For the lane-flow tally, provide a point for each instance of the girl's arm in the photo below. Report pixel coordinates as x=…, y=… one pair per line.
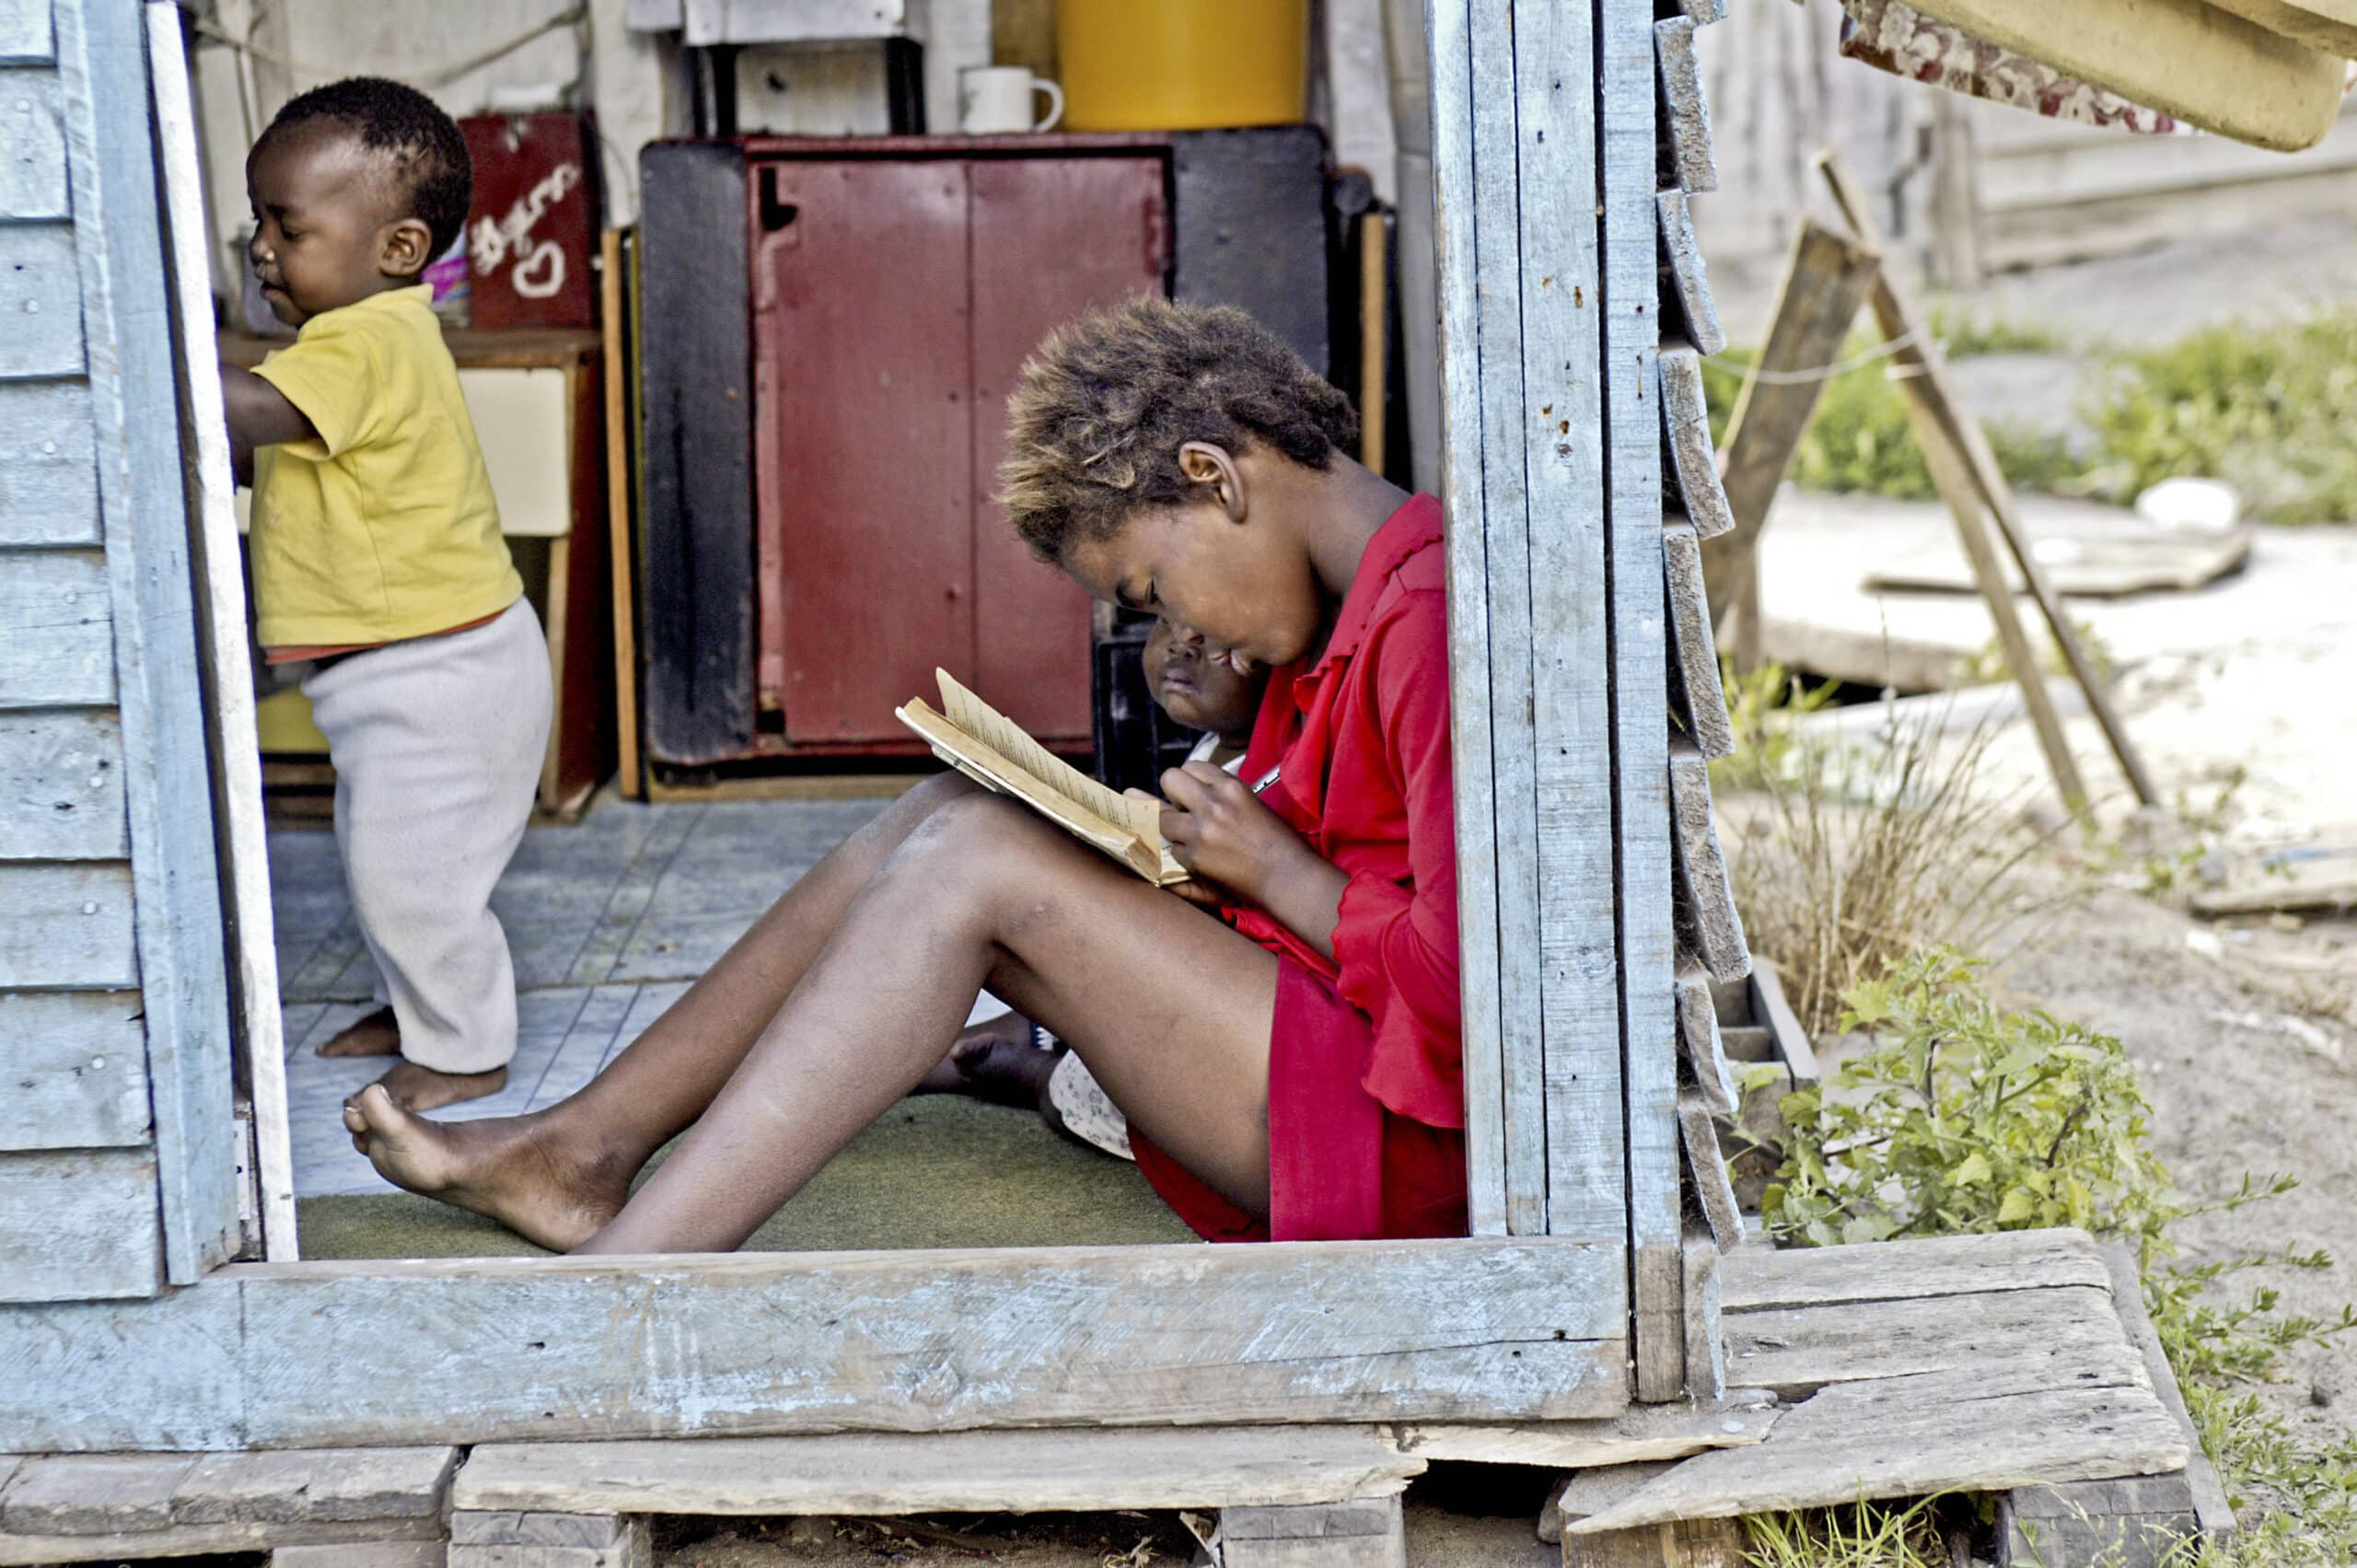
x=260, y=415
x=1222, y=832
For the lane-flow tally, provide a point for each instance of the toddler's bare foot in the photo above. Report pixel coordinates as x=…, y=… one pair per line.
x=417, y=1089
x=501, y=1167
x=996, y=1062
x=376, y=1035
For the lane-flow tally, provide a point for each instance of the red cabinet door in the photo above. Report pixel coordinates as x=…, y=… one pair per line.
x=864, y=443
x=1052, y=238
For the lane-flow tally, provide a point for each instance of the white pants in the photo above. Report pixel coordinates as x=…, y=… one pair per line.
x=437, y=744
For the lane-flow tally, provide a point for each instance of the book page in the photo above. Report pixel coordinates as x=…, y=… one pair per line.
x=1008, y=738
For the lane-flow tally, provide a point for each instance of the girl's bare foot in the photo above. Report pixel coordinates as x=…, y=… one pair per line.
x=501, y=1167
x=377, y=1034
x=425, y=1088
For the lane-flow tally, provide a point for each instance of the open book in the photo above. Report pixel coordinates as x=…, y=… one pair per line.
x=992, y=749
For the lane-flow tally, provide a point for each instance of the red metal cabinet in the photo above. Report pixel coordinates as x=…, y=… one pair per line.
x=894, y=300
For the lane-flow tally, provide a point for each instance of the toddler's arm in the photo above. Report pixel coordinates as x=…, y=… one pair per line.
x=260, y=415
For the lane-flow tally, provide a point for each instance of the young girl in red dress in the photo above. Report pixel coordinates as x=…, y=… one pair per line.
x=1284, y=1039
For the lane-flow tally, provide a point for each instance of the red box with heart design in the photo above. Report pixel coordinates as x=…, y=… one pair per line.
x=532, y=231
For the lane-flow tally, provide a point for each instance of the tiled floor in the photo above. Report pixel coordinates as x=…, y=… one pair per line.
x=609, y=919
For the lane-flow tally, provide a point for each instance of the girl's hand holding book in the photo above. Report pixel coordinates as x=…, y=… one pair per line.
x=1224, y=834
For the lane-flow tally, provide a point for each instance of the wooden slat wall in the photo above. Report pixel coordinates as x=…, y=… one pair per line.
x=117, y=1165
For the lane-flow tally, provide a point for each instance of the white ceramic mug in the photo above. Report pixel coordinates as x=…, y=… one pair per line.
x=992, y=100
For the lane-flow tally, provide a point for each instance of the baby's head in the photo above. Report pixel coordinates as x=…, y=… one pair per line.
x=1198, y=690
x=356, y=188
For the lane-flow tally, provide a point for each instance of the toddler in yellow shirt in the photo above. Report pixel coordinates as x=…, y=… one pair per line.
x=377, y=555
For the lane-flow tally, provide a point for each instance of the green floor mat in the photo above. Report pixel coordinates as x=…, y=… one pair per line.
x=938, y=1170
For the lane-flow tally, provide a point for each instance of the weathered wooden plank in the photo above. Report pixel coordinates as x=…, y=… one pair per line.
x=1693, y=467
x=1686, y=112
x=1713, y=1194
x=88, y=1494
x=40, y=301
x=48, y=487
x=297, y=1485
x=32, y=171
x=549, y=1540
x=24, y=32
x=895, y=1473
x=2136, y=1522
x=1697, y=1037
x=1562, y=445
x=498, y=1350
x=1706, y=898
x=56, y=638
x=1681, y=261
x=1469, y=627
x=362, y=1545
x=1703, y=12
x=1981, y=1429
x=1697, y=699
x=1762, y=1279
x=76, y=1226
x=66, y=927
x=1640, y=1433
x=221, y=632
x=2208, y=1496
x=1356, y=1533
x=1640, y=695
x=1796, y=1351
x=1706, y=1361
x=135, y=401
x=360, y=1553
x=60, y=786
x=1792, y=1047
x=73, y=1074
x=1514, y=746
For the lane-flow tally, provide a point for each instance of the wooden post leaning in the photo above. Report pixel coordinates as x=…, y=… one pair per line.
x=1940, y=422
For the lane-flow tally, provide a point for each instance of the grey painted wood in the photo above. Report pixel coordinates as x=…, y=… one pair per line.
x=134, y=401
x=60, y=786
x=56, y=636
x=89, y=1494
x=1507, y=519
x=897, y=1473
x=1706, y=1360
x=1706, y=896
x=1699, y=700
x=76, y=1225
x=1698, y=1037
x=1640, y=677
x=1681, y=256
x=1760, y=1279
x=540, y=1349
x=24, y=32
x=1976, y=1430
x=66, y=927
x=39, y=299
x=32, y=170
x=219, y=603
x=1561, y=405
x=1707, y=1171
x=48, y=490
x=1369, y=1533
x=73, y=1071
x=1688, y=113
x=1469, y=623
x=1686, y=431
x=338, y=1485
x=1791, y=1041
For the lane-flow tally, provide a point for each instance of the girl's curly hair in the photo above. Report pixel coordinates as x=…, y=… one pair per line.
x=1100, y=411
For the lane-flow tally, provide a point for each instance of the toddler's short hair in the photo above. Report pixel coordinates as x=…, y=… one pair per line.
x=1098, y=416
x=431, y=171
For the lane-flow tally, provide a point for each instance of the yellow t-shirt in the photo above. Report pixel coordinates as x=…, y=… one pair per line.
x=384, y=528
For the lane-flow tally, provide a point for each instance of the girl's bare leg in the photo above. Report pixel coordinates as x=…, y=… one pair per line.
x=1169, y=1008
x=557, y=1175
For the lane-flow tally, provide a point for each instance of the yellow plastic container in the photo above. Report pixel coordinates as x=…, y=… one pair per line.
x=1182, y=64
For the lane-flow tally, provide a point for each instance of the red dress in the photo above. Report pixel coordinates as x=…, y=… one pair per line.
x=1366, y=1086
